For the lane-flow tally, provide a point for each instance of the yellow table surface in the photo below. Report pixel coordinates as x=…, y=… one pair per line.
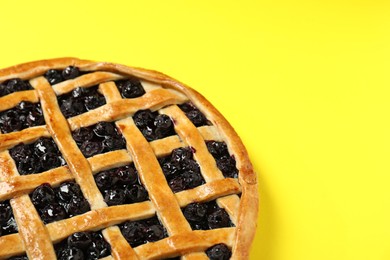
x=305, y=83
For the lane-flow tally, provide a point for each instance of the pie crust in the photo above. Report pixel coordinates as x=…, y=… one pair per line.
x=162, y=93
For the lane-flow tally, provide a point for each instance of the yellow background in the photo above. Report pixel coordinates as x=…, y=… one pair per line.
x=305, y=83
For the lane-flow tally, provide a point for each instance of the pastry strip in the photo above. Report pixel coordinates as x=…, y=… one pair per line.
x=191, y=136
x=120, y=249
x=37, y=247
x=27, y=135
x=85, y=81
x=11, y=100
x=126, y=107
x=153, y=178
x=186, y=242
x=60, y=131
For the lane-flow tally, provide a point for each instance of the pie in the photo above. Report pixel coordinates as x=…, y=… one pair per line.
x=105, y=161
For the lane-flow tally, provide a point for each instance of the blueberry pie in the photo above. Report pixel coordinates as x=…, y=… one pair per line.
x=105, y=161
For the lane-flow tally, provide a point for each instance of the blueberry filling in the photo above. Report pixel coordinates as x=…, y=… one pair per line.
x=130, y=88
x=225, y=162
x=83, y=245
x=54, y=204
x=7, y=220
x=80, y=100
x=40, y=156
x=194, y=114
x=24, y=115
x=181, y=170
x=100, y=138
x=205, y=216
x=219, y=252
x=153, y=125
x=143, y=231
x=14, y=85
x=121, y=186
x=57, y=76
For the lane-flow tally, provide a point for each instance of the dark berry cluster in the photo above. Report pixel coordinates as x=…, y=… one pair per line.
x=83, y=245
x=7, y=220
x=57, y=76
x=194, y=114
x=59, y=203
x=100, y=138
x=219, y=252
x=205, y=216
x=14, y=85
x=121, y=186
x=225, y=162
x=153, y=125
x=80, y=100
x=40, y=156
x=181, y=170
x=130, y=88
x=143, y=231
x=24, y=115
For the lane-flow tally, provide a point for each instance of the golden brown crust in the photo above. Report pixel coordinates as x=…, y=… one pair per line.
x=153, y=178
x=243, y=211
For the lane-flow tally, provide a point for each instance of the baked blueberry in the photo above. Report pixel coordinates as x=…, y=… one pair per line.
x=115, y=197
x=195, y=212
x=143, y=118
x=59, y=203
x=136, y=193
x=181, y=170
x=152, y=125
x=194, y=114
x=40, y=156
x=227, y=165
x=70, y=72
x=181, y=155
x=83, y=134
x=219, y=252
x=121, y=186
x=54, y=76
x=134, y=232
x=94, y=100
x=69, y=253
x=99, y=245
x=81, y=240
x=68, y=190
x=103, y=129
x=217, y=149
x=103, y=180
x=143, y=231
x=43, y=195
x=24, y=115
x=7, y=220
x=91, y=148
x=77, y=205
x=130, y=88
x=5, y=212
x=14, y=85
x=205, y=216
x=80, y=100
x=218, y=219
x=225, y=162
x=100, y=138
x=52, y=212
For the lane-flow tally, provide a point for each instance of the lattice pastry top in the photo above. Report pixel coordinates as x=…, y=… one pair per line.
x=105, y=161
